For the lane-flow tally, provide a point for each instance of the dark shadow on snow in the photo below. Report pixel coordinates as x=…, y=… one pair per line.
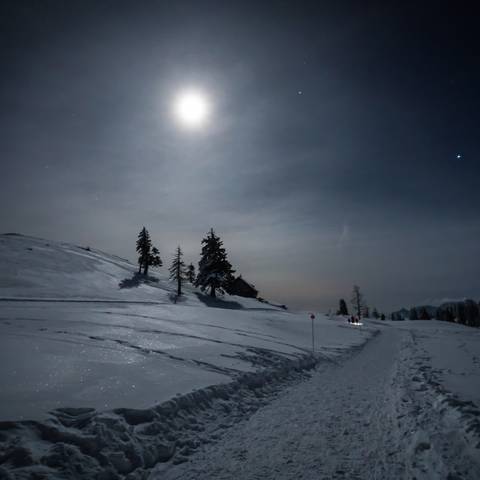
x=136, y=280
x=218, y=302
x=174, y=298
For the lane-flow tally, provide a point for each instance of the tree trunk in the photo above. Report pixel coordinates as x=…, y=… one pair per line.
x=212, y=292
x=145, y=271
x=179, y=286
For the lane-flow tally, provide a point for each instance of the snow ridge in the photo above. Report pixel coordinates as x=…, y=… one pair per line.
x=126, y=443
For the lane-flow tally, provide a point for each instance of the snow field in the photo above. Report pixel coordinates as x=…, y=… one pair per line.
x=382, y=414
x=127, y=442
x=104, y=376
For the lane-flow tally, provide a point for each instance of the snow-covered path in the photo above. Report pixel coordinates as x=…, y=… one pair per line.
x=353, y=420
x=335, y=425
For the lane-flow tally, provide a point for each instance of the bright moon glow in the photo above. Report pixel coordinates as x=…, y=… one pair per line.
x=192, y=108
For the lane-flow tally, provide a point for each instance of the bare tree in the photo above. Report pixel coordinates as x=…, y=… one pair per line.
x=357, y=301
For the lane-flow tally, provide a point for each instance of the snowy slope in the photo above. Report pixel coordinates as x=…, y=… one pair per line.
x=106, y=377
x=90, y=370
x=42, y=269
x=383, y=414
x=36, y=269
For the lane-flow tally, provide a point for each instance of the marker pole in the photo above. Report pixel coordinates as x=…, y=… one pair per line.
x=312, y=316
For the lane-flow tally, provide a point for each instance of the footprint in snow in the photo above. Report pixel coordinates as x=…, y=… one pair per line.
x=422, y=446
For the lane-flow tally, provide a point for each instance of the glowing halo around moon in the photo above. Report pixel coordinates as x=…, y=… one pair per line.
x=192, y=108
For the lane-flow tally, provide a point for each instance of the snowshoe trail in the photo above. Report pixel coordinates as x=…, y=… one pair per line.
x=353, y=420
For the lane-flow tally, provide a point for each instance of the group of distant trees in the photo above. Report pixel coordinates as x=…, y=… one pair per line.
x=360, y=307
x=215, y=272
x=215, y=275
x=465, y=313
x=419, y=314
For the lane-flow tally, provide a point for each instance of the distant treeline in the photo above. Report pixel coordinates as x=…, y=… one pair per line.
x=466, y=312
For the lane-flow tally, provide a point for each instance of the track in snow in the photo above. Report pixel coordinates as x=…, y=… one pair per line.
x=335, y=425
x=347, y=421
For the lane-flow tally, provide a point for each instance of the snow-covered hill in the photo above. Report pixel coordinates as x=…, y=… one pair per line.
x=42, y=269
x=36, y=269
x=84, y=345
x=104, y=376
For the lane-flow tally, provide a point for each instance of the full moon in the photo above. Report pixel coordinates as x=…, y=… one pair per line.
x=192, y=108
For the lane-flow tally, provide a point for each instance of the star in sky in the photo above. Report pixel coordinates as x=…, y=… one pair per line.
x=459, y=156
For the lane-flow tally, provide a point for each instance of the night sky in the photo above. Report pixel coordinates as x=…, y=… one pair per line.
x=342, y=145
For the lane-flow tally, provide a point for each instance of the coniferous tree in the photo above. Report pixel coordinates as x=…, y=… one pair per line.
x=460, y=313
x=154, y=259
x=190, y=274
x=382, y=317
x=144, y=247
x=447, y=315
x=413, y=314
x=472, y=314
x=342, y=310
x=177, y=270
x=357, y=301
x=375, y=313
x=214, y=270
x=424, y=315
x=147, y=254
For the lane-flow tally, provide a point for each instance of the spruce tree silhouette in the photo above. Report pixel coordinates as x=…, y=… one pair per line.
x=177, y=270
x=214, y=270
